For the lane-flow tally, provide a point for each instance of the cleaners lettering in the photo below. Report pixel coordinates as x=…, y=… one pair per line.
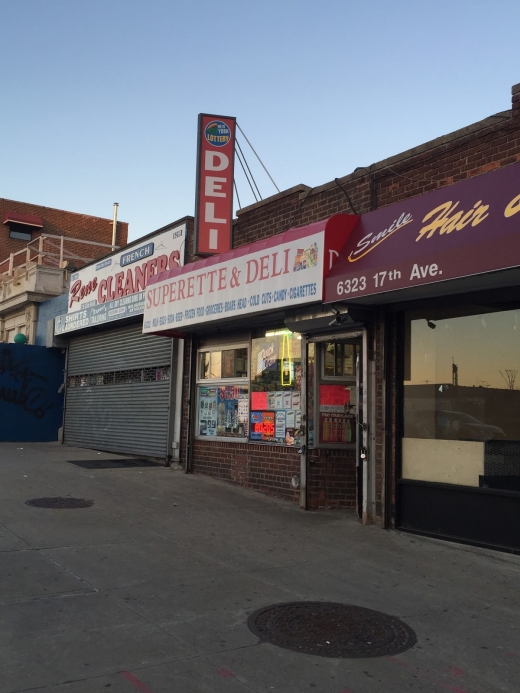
x=124, y=283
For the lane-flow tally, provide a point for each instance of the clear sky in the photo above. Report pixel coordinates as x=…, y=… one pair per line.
x=100, y=97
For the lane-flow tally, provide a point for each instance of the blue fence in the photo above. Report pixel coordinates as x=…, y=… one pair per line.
x=31, y=396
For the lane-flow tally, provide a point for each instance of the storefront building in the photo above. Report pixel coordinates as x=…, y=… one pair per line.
x=347, y=342
x=443, y=271
x=121, y=385
x=274, y=394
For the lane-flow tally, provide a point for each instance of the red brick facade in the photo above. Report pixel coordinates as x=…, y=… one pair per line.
x=474, y=150
x=61, y=223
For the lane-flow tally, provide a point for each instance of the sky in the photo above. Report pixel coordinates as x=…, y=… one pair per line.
x=100, y=98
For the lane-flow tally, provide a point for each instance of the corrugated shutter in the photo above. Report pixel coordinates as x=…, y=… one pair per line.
x=127, y=417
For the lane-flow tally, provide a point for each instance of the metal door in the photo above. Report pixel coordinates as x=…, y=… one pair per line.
x=119, y=392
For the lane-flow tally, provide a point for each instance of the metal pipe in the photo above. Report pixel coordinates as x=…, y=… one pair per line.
x=191, y=416
x=114, y=226
x=177, y=414
x=304, y=464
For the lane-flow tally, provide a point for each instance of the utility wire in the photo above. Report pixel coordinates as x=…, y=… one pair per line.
x=346, y=195
x=259, y=159
x=245, y=161
x=245, y=174
x=302, y=202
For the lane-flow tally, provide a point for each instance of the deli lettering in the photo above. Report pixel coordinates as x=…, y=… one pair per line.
x=209, y=281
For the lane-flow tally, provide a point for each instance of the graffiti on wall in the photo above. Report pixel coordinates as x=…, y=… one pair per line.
x=31, y=392
x=21, y=386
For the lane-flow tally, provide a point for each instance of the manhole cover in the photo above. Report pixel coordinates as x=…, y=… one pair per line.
x=59, y=503
x=331, y=630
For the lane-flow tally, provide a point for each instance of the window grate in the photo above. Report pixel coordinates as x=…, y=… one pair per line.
x=134, y=375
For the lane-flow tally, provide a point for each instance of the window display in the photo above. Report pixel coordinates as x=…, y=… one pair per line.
x=223, y=411
x=276, y=373
x=336, y=393
x=337, y=420
x=223, y=403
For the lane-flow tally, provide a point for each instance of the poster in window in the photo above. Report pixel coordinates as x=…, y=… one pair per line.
x=229, y=423
x=337, y=427
x=259, y=401
x=280, y=424
x=334, y=398
x=263, y=426
x=207, y=411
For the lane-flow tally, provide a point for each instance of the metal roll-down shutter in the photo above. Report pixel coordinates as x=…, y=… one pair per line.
x=118, y=391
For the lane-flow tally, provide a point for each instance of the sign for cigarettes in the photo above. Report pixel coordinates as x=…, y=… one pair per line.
x=214, y=195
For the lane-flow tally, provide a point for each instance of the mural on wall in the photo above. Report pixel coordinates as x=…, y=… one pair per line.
x=31, y=392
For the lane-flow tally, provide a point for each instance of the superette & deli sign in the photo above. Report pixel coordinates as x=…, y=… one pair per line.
x=280, y=272
x=113, y=288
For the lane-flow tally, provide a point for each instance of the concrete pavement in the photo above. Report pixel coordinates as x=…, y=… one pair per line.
x=150, y=588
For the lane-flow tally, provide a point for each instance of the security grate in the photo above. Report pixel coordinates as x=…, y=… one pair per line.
x=134, y=375
x=502, y=458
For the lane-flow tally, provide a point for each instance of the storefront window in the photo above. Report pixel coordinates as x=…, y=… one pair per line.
x=462, y=398
x=276, y=373
x=336, y=395
x=339, y=360
x=223, y=403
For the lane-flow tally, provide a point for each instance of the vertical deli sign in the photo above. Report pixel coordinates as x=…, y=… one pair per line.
x=214, y=193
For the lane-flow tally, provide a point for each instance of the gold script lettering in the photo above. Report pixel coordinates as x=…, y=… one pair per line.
x=513, y=207
x=446, y=221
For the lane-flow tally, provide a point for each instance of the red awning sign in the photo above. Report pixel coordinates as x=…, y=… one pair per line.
x=282, y=271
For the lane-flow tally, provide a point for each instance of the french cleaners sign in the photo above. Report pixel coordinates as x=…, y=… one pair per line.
x=113, y=288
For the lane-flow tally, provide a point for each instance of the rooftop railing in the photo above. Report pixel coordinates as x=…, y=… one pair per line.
x=51, y=250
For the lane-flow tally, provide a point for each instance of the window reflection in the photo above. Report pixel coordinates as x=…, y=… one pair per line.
x=461, y=385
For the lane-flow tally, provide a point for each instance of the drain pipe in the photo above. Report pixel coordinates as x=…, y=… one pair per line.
x=114, y=226
x=177, y=420
x=191, y=410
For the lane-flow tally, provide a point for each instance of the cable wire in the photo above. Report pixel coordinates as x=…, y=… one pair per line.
x=346, y=195
x=245, y=174
x=245, y=161
x=295, y=215
x=259, y=159
x=236, y=192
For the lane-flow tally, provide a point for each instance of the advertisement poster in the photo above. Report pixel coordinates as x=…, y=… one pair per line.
x=337, y=427
x=259, y=401
x=207, y=411
x=280, y=424
x=334, y=397
x=232, y=417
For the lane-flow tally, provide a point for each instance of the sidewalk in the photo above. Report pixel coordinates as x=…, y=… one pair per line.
x=150, y=588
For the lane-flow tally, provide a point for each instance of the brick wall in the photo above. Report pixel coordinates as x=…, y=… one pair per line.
x=61, y=223
x=471, y=151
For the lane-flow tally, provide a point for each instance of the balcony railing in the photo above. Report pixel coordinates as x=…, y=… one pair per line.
x=53, y=251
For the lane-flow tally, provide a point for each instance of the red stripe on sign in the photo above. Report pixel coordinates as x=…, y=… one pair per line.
x=133, y=679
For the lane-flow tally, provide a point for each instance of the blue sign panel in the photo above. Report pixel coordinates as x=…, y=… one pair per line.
x=96, y=315
x=138, y=254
